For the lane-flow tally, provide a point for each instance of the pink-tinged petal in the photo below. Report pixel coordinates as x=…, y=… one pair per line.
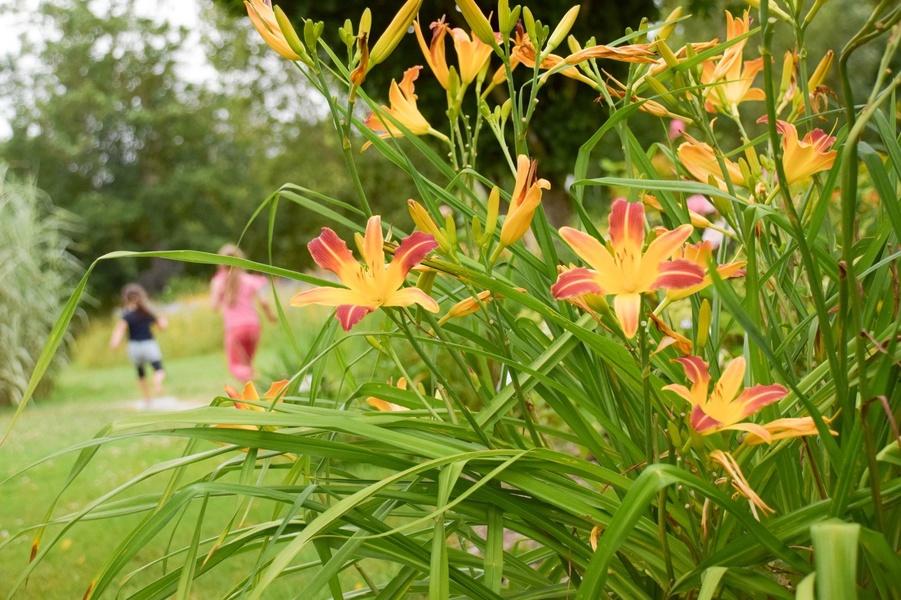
x=678, y=274
x=664, y=246
x=681, y=390
x=627, y=308
x=754, y=398
x=575, y=282
x=372, y=250
x=729, y=383
x=597, y=256
x=696, y=369
x=701, y=421
x=412, y=295
x=350, y=315
x=331, y=253
x=328, y=296
x=232, y=391
x=819, y=139
x=412, y=250
x=627, y=226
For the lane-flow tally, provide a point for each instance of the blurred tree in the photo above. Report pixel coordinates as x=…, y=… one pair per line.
x=558, y=130
x=114, y=133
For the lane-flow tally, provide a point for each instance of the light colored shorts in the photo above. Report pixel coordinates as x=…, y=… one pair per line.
x=144, y=351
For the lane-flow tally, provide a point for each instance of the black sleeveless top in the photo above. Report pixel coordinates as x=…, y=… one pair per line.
x=139, y=323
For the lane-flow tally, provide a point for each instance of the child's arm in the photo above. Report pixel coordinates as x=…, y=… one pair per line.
x=162, y=322
x=118, y=334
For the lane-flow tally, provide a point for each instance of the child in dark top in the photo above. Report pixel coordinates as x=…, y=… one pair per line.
x=142, y=347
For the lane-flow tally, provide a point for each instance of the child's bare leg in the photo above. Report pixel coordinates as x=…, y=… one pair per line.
x=158, y=377
x=145, y=390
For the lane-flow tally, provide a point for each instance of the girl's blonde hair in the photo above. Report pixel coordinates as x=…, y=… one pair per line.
x=137, y=295
x=232, y=275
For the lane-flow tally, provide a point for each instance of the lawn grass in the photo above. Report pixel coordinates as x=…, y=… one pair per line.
x=84, y=400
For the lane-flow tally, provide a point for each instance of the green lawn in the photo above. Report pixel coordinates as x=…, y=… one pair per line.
x=84, y=401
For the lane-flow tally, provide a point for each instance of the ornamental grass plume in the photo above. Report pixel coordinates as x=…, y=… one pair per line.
x=373, y=286
x=622, y=270
x=723, y=407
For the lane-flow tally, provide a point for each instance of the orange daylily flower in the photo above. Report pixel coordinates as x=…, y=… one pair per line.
x=701, y=254
x=249, y=394
x=526, y=198
x=731, y=78
x=622, y=270
x=723, y=407
x=741, y=485
x=472, y=53
x=263, y=19
x=698, y=158
x=735, y=88
x=803, y=158
x=370, y=287
x=384, y=405
x=781, y=429
x=403, y=108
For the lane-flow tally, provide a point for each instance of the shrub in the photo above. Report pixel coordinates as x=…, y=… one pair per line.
x=36, y=272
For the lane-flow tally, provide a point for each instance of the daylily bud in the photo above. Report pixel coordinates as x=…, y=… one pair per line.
x=659, y=89
x=529, y=22
x=426, y=224
x=504, y=23
x=365, y=22
x=788, y=70
x=467, y=306
x=573, y=44
x=311, y=32
x=562, y=29
x=450, y=228
x=426, y=280
x=667, y=30
x=703, y=325
x=506, y=107
x=346, y=33
x=819, y=75
x=817, y=5
x=745, y=171
x=476, y=228
x=494, y=203
x=485, y=110
x=667, y=54
x=395, y=32
x=478, y=23
x=291, y=36
x=373, y=341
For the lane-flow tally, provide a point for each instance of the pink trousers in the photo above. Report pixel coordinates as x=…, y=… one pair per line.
x=240, y=347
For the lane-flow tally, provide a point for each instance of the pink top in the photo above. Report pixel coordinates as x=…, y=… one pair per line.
x=244, y=311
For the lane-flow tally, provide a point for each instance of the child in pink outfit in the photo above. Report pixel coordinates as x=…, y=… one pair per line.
x=236, y=292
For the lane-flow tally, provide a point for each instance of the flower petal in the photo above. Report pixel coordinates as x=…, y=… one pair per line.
x=412, y=295
x=627, y=227
x=411, y=251
x=696, y=369
x=627, y=308
x=350, y=315
x=701, y=421
x=754, y=398
x=677, y=274
x=575, y=282
x=729, y=383
x=372, y=250
x=596, y=255
x=330, y=252
x=328, y=296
